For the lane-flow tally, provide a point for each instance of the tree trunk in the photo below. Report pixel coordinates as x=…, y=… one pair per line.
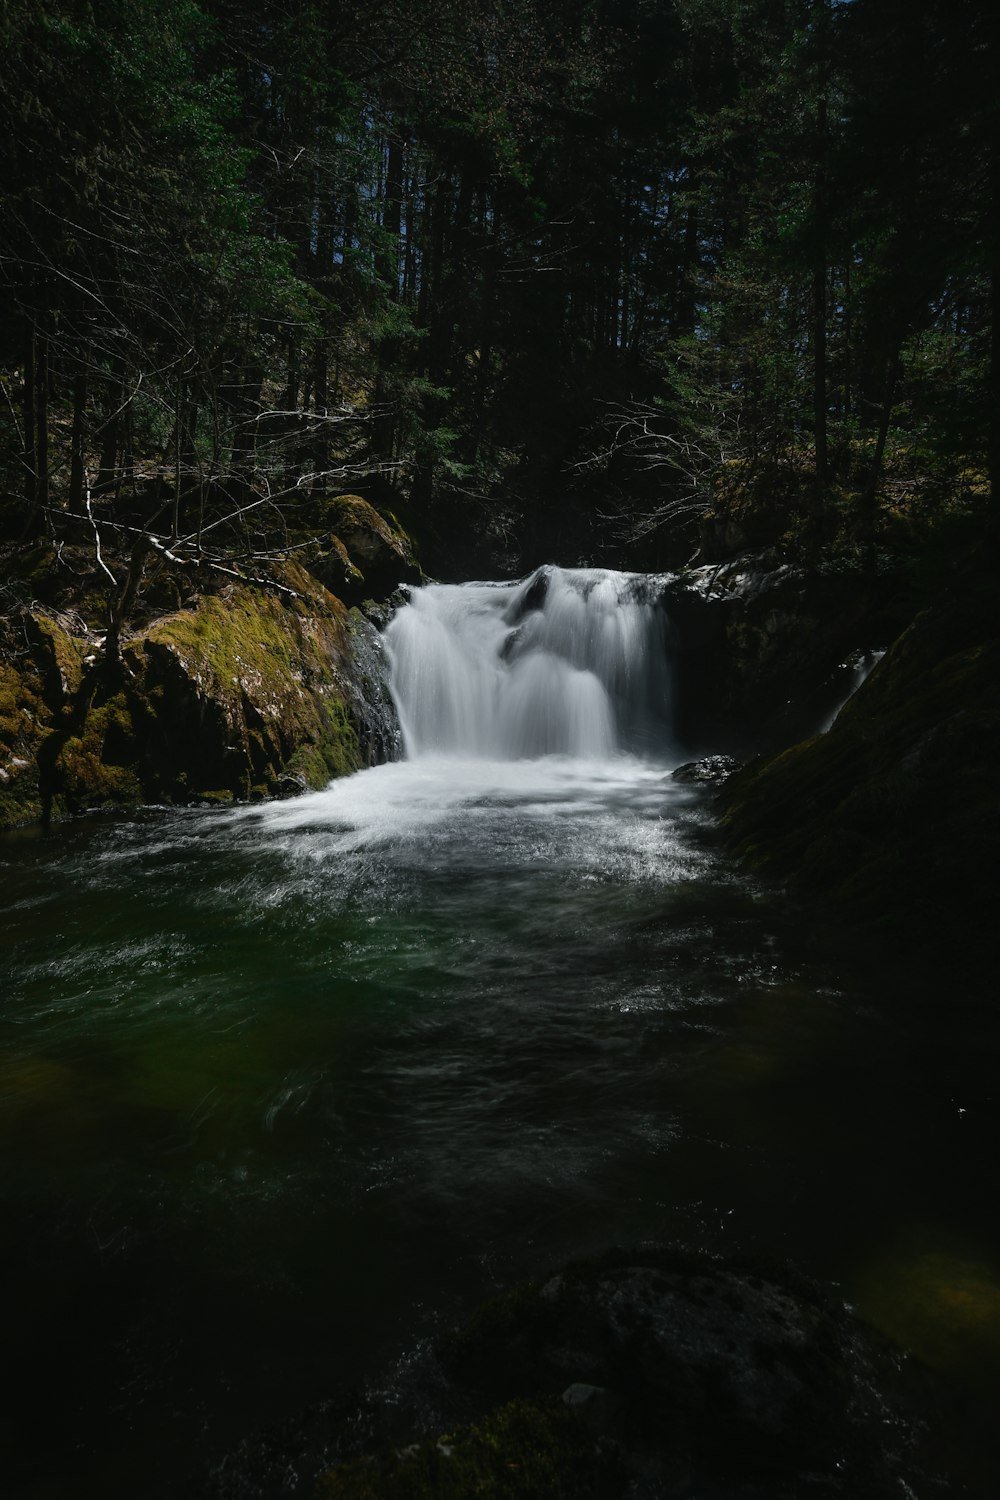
x=28, y=412
x=993, y=378
x=869, y=498
x=42, y=423
x=384, y=431
x=821, y=234
x=77, y=472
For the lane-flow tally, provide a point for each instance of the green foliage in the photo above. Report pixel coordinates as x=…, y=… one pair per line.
x=268, y=253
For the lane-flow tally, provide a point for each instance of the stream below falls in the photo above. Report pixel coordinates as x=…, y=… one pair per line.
x=284, y=1088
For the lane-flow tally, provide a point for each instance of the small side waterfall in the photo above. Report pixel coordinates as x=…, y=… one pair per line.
x=566, y=662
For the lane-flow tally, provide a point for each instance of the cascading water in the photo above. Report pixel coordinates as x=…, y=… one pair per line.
x=566, y=662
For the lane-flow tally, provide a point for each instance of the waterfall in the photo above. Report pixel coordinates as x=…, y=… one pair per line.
x=853, y=673
x=566, y=662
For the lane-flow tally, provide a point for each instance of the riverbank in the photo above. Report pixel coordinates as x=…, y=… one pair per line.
x=892, y=817
x=213, y=685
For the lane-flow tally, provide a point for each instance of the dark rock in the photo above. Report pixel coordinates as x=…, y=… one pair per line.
x=724, y=1374
x=530, y=596
x=893, y=814
x=654, y=1373
x=711, y=769
x=759, y=647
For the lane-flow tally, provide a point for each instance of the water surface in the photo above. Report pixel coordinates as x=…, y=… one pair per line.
x=281, y=1088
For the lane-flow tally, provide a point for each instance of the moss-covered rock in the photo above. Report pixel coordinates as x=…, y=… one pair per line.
x=524, y=1451
x=96, y=767
x=255, y=689
x=366, y=555
x=39, y=680
x=58, y=656
x=25, y=722
x=894, y=814
x=652, y=1371
x=248, y=688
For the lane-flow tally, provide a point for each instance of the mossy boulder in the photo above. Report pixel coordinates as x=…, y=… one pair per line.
x=249, y=688
x=894, y=813
x=366, y=554
x=254, y=689
x=40, y=678
x=25, y=721
x=58, y=655
x=527, y=1450
x=331, y=563
x=651, y=1371
x=97, y=765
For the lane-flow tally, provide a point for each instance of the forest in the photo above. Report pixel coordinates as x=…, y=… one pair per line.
x=499, y=696
x=551, y=280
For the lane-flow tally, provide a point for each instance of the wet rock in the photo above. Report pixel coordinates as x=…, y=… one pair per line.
x=655, y=1373
x=530, y=596
x=724, y=1374
x=759, y=646
x=256, y=689
x=893, y=814
x=710, y=770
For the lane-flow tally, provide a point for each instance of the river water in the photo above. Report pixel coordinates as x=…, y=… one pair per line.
x=283, y=1088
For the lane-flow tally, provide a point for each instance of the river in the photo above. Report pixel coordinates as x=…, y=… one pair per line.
x=283, y=1088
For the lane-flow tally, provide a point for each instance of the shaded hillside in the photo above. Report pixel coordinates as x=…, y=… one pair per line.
x=894, y=814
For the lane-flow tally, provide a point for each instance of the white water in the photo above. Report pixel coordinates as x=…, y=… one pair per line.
x=566, y=662
x=858, y=669
x=535, y=719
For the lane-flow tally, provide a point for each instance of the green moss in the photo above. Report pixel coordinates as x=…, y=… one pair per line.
x=97, y=766
x=59, y=657
x=251, y=683
x=523, y=1451
x=248, y=690
x=24, y=725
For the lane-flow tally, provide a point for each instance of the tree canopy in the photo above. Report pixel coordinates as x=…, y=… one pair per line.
x=548, y=279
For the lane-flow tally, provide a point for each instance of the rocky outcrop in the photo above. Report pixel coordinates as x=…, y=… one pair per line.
x=763, y=649
x=894, y=814
x=252, y=689
x=653, y=1372
x=711, y=770
x=26, y=720
x=365, y=555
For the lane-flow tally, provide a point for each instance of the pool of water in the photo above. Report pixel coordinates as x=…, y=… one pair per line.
x=283, y=1088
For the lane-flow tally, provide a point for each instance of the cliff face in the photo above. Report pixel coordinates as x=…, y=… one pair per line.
x=894, y=814
x=762, y=649
x=247, y=690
